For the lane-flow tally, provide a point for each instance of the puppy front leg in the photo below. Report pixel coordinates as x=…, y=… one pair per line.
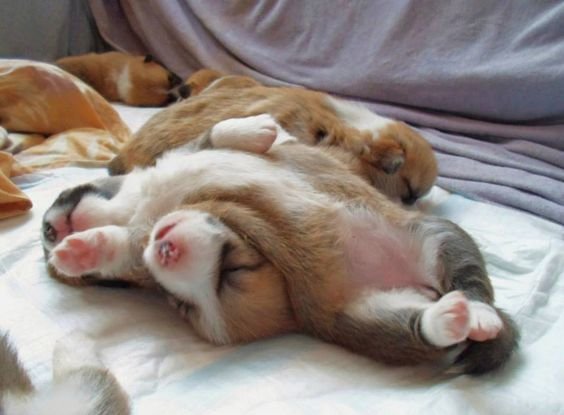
x=113, y=252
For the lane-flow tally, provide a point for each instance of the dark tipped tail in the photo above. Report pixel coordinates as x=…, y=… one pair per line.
x=482, y=357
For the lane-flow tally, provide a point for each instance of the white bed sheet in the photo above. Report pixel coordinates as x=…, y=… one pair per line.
x=166, y=369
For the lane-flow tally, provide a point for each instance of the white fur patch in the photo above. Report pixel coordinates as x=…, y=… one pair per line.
x=123, y=83
x=192, y=276
x=358, y=116
x=371, y=304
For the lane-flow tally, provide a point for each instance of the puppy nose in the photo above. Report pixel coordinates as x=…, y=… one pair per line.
x=409, y=200
x=49, y=232
x=184, y=91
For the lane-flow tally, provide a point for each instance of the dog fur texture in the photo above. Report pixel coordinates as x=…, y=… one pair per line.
x=391, y=156
x=81, y=385
x=252, y=234
x=133, y=80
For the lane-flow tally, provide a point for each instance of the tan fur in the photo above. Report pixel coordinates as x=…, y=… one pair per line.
x=300, y=278
x=305, y=114
x=149, y=80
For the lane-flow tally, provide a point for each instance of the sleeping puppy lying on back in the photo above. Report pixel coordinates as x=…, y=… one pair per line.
x=393, y=157
x=81, y=385
x=279, y=236
x=133, y=80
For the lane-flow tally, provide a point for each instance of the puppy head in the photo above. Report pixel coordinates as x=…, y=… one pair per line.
x=228, y=290
x=401, y=163
x=153, y=84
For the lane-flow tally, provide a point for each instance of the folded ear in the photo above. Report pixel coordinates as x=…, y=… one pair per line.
x=386, y=154
x=392, y=163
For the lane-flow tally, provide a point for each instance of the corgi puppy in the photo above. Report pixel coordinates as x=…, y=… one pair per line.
x=81, y=385
x=133, y=80
x=394, y=158
x=252, y=234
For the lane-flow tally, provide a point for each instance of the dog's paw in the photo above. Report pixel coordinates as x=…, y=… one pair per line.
x=485, y=323
x=82, y=207
x=448, y=321
x=254, y=134
x=94, y=250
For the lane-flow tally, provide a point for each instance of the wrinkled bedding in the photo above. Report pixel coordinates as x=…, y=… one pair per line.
x=166, y=369
x=50, y=119
x=490, y=71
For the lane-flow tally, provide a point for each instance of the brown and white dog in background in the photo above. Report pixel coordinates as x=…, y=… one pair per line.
x=393, y=157
x=133, y=80
x=253, y=234
x=81, y=385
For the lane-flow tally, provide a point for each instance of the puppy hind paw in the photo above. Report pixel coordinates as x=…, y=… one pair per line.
x=485, y=323
x=447, y=322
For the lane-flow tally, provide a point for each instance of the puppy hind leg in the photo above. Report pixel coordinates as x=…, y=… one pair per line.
x=388, y=327
x=456, y=260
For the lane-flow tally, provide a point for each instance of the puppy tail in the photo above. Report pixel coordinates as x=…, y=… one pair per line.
x=482, y=357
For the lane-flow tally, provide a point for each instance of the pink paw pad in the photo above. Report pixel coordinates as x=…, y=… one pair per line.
x=447, y=322
x=76, y=255
x=485, y=323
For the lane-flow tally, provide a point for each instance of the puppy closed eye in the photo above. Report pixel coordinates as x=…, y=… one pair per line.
x=236, y=262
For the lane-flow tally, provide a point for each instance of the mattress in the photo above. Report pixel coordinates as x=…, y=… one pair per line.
x=165, y=368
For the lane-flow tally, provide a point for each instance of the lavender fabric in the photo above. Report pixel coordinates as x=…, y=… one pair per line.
x=483, y=80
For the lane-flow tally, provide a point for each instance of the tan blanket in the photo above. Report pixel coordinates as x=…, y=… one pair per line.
x=60, y=120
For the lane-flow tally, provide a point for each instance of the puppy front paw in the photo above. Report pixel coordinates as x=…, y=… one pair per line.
x=98, y=250
x=485, y=323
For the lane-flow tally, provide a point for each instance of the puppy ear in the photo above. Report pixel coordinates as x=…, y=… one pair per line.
x=384, y=153
x=391, y=163
x=149, y=58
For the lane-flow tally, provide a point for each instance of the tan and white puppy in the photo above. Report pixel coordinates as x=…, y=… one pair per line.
x=393, y=157
x=81, y=385
x=133, y=80
x=275, y=238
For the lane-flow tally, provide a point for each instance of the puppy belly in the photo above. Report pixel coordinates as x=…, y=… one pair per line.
x=380, y=257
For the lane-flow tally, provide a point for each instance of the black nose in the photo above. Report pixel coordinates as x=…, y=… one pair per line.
x=184, y=91
x=174, y=80
x=409, y=200
x=49, y=232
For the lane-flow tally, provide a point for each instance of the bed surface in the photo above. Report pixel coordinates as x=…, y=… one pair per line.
x=166, y=369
